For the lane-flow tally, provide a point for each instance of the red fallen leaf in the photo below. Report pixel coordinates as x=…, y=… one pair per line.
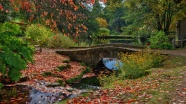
x=128, y=88
x=184, y=88
x=104, y=98
x=131, y=100
x=131, y=90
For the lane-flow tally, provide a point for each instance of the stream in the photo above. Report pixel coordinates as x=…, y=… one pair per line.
x=45, y=94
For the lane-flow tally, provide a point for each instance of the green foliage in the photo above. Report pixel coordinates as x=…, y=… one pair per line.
x=91, y=81
x=47, y=74
x=102, y=32
x=60, y=41
x=166, y=45
x=63, y=67
x=38, y=33
x=88, y=70
x=144, y=16
x=78, y=77
x=102, y=22
x=14, y=55
x=61, y=82
x=67, y=60
x=10, y=29
x=136, y=64
x=1, y=85
x=74, y=79
x=160, y=40
x=106, y=80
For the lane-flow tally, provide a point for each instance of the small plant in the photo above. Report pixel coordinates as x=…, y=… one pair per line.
x=103, y=32
x=60, y=41
x=160, y=40
x=66, y=61
x=10, y=29
x=38, y=33
x=62, y=67
x=136, y=64
x=47, y=74
x=61, y=82
x=74, y=79
x=106, y=80
x=88, y=70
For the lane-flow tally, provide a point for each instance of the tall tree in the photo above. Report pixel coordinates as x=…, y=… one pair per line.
x=157, y=15
x=63, y=15
x=113, y=13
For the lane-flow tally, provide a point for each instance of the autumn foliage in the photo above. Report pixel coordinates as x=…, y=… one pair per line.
x=62, y=15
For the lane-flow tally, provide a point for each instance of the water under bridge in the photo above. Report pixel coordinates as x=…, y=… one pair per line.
x=92, y=55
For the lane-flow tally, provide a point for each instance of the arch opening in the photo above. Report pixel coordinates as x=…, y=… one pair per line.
x=110, y=63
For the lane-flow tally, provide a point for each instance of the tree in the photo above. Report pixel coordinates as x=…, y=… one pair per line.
x=153, y=15
x=113, y=13
x=62, y=15
x=102, y=22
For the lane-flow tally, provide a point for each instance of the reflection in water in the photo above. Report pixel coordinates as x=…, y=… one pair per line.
x=112, y=63
x=38, y=97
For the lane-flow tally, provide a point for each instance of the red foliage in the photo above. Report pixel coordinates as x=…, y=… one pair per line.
x=1, y=8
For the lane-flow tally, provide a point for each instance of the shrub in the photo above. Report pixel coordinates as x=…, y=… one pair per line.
x=14, y=55
x=60, y=41
x=103, y=32
x=136, y=64
x=102, y=22
x=166, y=45
x=160, y=40
x=38, y=33
x=10, y=29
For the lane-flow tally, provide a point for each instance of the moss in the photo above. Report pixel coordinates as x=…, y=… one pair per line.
x=61, y=82
x=47, y=74
x=74, y=79
x=63, y=67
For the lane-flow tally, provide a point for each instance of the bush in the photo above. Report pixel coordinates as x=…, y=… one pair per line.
x=14, y=55
x=10, y=29
x=166, y=45
x=160, y=40
x=136, y=64
x=38, y=33
x=60, y=41
x=103, y=32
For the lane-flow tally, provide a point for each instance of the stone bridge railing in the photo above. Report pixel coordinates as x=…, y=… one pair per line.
x=91, y=56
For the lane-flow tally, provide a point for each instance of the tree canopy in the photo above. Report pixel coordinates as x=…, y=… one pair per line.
x=154, y=15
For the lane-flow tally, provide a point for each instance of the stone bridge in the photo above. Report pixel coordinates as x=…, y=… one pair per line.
x=92, y=55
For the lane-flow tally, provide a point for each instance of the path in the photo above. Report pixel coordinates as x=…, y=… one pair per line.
x=179, y=97
x=179, y=52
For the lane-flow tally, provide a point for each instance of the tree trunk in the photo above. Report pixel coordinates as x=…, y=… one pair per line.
x=181, y=31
